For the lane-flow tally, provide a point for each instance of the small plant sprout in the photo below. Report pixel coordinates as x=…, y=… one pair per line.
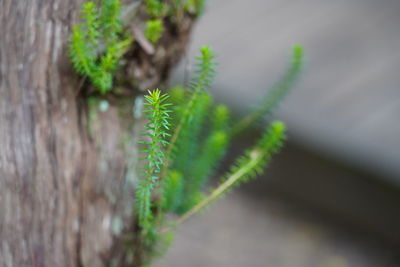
x=157, y=113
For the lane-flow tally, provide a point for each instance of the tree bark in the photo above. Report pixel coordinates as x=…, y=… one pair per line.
x=67, y=169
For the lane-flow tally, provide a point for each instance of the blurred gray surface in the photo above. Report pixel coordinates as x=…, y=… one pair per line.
x=347, y=103
x=305, y=211
x=240, y=231
x=346, y=107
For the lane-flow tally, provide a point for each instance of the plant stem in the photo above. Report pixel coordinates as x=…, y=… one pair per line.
x=178, y=131
x=230, y=181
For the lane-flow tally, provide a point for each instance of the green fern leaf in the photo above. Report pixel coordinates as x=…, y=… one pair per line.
x=211, y=153
x=173, y=191
x=110, y=20
x=275, y=96
x=154, y=30
x=205, y=74
x=246, y=167
x=255, y=160
x=97, y=45
x=91, y=26
x=82, y=60
x=156, y=8
x=157, y=113
x=195, y=7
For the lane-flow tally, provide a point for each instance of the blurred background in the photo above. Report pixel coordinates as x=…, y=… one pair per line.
x=332, y=196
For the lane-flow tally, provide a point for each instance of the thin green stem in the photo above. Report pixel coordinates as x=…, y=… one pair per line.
x=277, y=93
x=204, y=80
x=229, y=182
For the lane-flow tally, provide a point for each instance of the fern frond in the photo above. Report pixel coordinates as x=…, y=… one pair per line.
x=97, y=45
x=177, y=95
x=275, y=96
x=205, y=71
x=101, y=80
x=220, y=118
x=178, y=99
x=154, y=29
x=206, y=157
x=114, y=52
x=255, y=160
x=91, y=26
x=205, y=74
x=172, y=191
x=186, y=147
x=82, y=60
x=195, y=7
x=211, y=153
x=248, y=166
x=156, y=8
x=110, y=20
x=157, y=113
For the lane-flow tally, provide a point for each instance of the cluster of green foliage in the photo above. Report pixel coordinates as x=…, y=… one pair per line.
x=187, y=134
x=158, y=10
x=195, y=7
x=97, y=45
x=157, y=125
x=154, y=30
x=193, y=135
x=99, y=42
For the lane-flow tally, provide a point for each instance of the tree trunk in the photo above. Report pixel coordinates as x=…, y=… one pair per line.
x=67, y=169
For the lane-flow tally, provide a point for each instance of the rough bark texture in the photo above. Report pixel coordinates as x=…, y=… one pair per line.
x=66, y=181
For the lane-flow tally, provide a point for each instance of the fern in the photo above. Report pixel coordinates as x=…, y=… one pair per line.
x=81, y=57
x=205, y=73
x=91, y=25
x=255, y=160
x=179, y=99
x=248, y=166
x=207, y=156
x=220, y=119
x=275, y=96
x=195, y=7
x=210, y=155
x=188, y=145
x=179, y=154
x=199, y=136
x=154, y=30
x=205, y=70
x=156, y=8
x=157, y=114
x=97, y=45
x=172, y=191
x=110, y=21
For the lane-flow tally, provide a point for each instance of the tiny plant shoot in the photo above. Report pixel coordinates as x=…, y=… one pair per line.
x=156, y=132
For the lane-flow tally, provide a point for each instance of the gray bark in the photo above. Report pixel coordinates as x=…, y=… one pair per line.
x=66, y=191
